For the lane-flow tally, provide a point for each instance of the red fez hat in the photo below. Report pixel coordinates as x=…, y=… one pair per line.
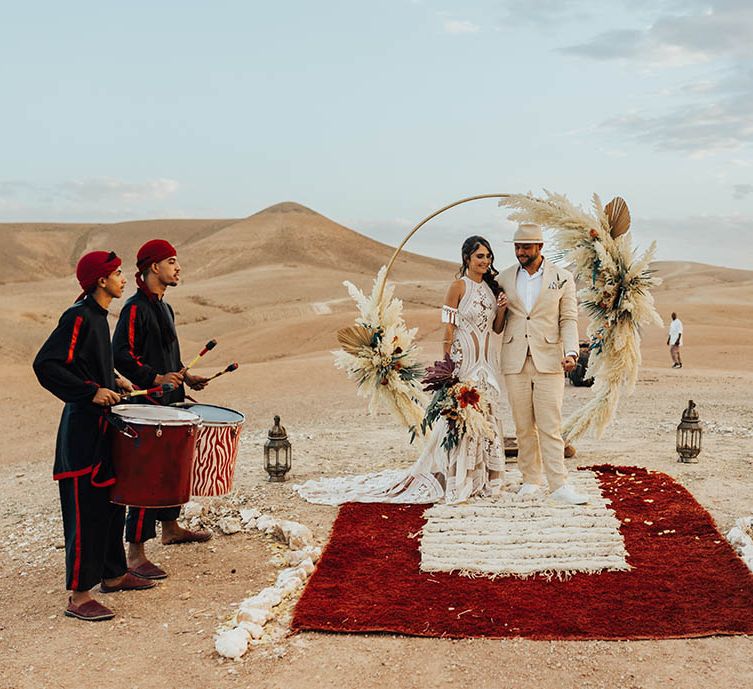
x=154, y=251
x=95, y=265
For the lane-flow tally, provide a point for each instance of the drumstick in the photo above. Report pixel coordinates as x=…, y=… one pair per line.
x=230, y=368
x=209, y=345
x=157, y=391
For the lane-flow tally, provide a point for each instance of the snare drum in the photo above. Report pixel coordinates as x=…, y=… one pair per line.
x=152, y=454
x=216, y=448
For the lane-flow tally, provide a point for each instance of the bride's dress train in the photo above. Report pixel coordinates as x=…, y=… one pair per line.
x=476, y=466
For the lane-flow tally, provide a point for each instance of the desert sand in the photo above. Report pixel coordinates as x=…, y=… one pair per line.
x=269, y=289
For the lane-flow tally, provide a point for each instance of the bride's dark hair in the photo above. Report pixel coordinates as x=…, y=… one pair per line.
x=490, y=276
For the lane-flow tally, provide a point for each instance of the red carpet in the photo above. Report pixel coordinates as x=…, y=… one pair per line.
x=684, y=584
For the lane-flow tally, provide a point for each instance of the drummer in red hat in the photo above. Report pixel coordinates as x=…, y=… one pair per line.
x=146, y=349
x=76, y=365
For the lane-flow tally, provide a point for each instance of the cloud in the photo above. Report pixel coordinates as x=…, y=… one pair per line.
x=108, y=189
x=691, y=34
x=742, y=191
x=632, y=44
x=90, y=199
x=698, y=128
x=713, y=109
x=459, y=26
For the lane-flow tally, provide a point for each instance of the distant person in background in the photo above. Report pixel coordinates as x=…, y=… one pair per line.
x=578, y=374
x=674, y=340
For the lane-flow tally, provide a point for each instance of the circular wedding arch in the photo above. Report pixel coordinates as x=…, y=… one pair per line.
x=424, y=221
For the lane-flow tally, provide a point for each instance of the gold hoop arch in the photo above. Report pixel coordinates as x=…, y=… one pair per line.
x=423, y=222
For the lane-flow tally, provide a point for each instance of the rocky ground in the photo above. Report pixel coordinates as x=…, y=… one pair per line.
x=164, y=637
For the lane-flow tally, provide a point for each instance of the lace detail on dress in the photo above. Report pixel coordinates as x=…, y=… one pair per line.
x=477, y=465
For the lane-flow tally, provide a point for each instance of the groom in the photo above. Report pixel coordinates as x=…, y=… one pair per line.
x=540, y=339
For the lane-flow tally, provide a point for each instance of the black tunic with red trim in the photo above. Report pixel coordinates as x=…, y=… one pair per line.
x=145, y=343
x=74, y=362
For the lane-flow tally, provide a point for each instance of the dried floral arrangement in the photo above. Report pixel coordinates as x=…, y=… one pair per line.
x=380, y=354
x=616, y=294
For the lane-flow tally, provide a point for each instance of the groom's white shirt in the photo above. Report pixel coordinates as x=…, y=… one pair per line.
x=529, y=286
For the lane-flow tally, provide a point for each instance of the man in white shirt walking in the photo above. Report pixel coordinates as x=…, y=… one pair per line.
x=674, y=340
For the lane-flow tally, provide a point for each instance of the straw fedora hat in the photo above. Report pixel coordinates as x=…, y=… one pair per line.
x=527, y=233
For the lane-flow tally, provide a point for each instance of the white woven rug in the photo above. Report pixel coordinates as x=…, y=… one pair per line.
x=507, y=535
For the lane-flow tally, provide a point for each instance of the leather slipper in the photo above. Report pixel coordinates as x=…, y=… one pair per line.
x=148, y=570
x=129, y=582
x=189, y=537
x=91, y=611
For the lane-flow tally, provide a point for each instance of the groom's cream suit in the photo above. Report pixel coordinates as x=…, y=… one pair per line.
x=533, y=345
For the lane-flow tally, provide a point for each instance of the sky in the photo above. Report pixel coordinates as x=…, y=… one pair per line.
x=377, y=114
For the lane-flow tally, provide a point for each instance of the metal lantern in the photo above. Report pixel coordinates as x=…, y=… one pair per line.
x=689, y=434
x=278, y=455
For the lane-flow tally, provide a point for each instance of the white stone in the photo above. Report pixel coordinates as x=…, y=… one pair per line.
x=229, y=525
x=232, y=643
x=249, y=513
x=295, y=557
x=314, y=552
x=255, y=630
x=268, y=595
x=307, y=566
x=192, y=509
x=256, y=615
x=736, y=536
x=289, y=586
x=266, y=523
x=296, y=535
x=292, y=573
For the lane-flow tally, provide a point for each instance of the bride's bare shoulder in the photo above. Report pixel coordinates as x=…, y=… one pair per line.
x=455, y=293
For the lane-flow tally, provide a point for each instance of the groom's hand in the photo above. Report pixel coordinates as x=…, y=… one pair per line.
x=568, y=363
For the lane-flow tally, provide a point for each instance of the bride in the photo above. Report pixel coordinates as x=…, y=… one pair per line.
x=475, y=306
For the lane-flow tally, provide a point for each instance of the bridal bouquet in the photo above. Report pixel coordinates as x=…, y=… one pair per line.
x=464, y=406
x=379, y=353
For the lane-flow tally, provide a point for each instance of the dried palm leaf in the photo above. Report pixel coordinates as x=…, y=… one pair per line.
x=354, y=338
x=619, y=216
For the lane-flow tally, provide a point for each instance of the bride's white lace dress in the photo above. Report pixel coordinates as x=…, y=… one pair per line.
x=477, y=465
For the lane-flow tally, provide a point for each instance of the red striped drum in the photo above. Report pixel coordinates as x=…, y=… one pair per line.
x=216, y=448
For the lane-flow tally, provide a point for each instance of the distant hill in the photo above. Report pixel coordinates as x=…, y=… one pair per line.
x=291, y=234
x=284, y=234
x=38, y=251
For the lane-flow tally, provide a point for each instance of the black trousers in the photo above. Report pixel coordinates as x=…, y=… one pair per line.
x=93, y=529
x=141, y=522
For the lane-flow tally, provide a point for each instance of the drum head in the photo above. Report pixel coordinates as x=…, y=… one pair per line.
x=212, y=415
x=155, y=415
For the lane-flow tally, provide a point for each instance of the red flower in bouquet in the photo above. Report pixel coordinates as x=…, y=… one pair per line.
x=468, y=396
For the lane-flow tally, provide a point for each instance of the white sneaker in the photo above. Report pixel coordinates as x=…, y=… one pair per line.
x=566, y=494
x=528, y=489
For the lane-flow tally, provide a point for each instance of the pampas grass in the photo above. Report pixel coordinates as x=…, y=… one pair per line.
x=380, y=354
x=617, y=295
